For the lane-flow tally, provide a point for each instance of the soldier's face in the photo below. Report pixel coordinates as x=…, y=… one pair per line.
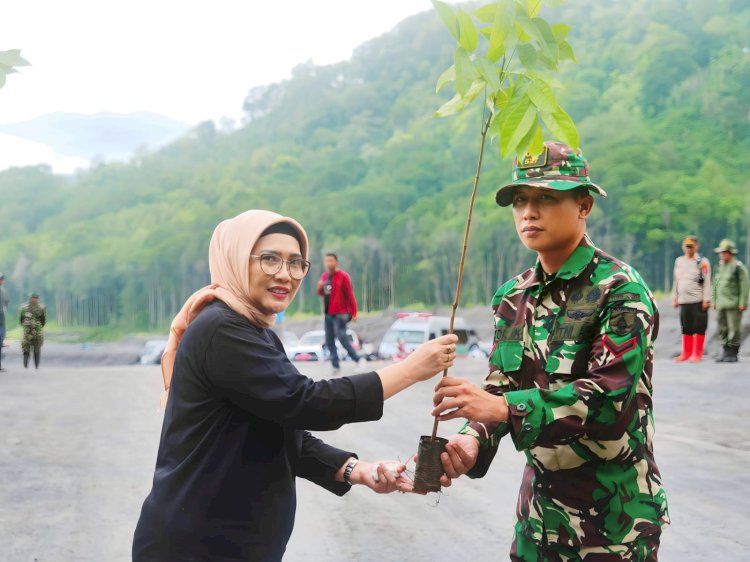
x=548, y=220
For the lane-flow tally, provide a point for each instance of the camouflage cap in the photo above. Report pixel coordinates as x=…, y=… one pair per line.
x=726, y=245
x=558, y=167
x=34, y=296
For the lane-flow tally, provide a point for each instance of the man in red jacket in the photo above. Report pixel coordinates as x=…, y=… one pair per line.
x=339, y=307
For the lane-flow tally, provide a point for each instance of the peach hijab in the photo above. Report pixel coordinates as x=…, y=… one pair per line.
x=229, y=263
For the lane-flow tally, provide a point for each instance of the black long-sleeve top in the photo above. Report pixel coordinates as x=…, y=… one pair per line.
x=233, y=441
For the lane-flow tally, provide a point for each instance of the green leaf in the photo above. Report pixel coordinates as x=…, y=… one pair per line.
x=502, y=29
x=486, y=13
x=13, y=58
x=540, y=31
x=561, y=126
x=468, y=35
x=533, y=7
x=542, y=96
x=517, y=119
x=489, y=73
x=561, y=30
x=458, y=103
x=566, y=51
x=526, y=54
x=464, y=71
x=536, y=75
x=533, y=142
x=455, y=105
x=449, y=18
x=494, y=130
x=448, y=76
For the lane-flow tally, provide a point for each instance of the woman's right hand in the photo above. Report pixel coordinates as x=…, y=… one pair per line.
x=432, y=357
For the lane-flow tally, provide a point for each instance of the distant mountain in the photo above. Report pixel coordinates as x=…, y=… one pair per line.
x=107, y=136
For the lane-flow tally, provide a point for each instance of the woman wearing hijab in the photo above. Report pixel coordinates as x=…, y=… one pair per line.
x=234, y=434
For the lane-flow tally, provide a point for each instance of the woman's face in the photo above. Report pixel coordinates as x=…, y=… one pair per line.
x=271, y=294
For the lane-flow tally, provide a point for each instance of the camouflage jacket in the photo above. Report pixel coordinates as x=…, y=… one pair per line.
x=32, y=318
x=573, y=357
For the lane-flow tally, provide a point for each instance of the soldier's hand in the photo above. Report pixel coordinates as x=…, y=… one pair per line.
x=743, y=308
x=460, y=457
x=675, y=303
x=460, y=398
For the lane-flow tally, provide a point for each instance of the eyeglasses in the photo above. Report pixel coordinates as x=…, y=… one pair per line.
x=271, y=264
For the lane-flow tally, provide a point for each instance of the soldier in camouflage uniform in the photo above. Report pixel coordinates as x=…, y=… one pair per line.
x=731, y=291
x=569, y=381
x=33, y=317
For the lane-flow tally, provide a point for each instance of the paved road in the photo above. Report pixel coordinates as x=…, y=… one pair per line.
x=77, y=449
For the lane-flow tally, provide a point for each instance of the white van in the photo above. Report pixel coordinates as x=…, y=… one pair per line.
x=411, y=329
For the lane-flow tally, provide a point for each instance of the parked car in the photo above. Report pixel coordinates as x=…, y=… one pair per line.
x=152, y=352
x=412, y=329
x=311, y=346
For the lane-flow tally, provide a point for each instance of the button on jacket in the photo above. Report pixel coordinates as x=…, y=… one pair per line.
x=573, y=357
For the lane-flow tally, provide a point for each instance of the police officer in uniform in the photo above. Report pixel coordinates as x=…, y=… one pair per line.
x=569, y=381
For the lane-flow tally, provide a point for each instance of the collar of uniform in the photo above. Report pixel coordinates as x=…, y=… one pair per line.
x=578, y=260
x=573, y=266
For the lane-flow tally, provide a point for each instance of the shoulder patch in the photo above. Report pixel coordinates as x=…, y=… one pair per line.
x=622, y=319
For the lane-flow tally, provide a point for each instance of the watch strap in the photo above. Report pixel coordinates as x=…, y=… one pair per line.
x=348, y=470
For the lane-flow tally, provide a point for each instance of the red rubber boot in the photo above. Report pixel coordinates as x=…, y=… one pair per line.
x=697, y=356
x=687, y=348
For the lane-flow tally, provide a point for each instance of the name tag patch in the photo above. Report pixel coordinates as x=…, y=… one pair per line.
x=509, y=333
x=633, y=297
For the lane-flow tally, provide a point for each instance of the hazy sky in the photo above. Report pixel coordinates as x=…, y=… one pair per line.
x=190, y=60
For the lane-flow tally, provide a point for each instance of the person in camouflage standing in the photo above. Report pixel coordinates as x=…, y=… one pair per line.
x=33, y=317
x=730, y=298
x=569, y=381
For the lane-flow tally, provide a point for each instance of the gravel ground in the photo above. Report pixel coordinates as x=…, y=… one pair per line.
x=78, y=445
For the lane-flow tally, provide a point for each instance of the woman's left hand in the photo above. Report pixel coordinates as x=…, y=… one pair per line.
x=391, y=476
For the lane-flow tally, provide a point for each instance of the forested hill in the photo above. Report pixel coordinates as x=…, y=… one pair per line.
x=353, y=152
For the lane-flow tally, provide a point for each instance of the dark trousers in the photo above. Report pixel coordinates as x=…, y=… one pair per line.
x=335, y=326
x=693, y=318
x=730, y=326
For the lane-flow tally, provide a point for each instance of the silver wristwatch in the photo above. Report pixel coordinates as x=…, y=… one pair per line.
x=348, y=470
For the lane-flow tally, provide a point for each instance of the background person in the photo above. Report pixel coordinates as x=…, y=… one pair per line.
x=730, y=298
x=32, y=317
x=234, y=437
x=691, y=292
x=3, y=311
x=569, y=381
x=339, y=307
